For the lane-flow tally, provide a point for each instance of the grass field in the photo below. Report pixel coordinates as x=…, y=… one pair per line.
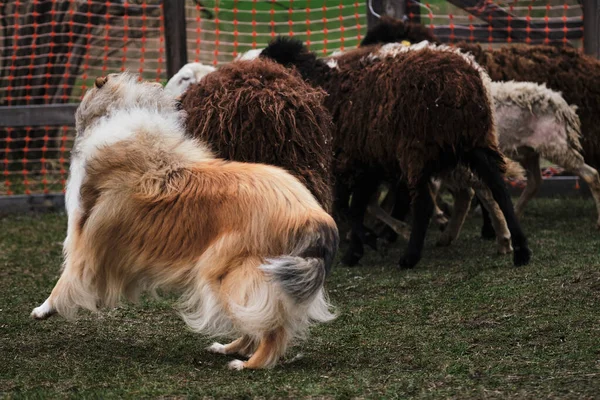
x=464, y=324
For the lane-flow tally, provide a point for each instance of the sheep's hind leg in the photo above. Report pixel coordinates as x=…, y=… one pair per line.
x=531, y=164
x=497, y=220
x=439, y=217
x=590, y=175
x=400, y=227
x=575, y=164
x=487, y=229
x=400, y=196
x=462, y=202
x=485, y=163
x=422, y=211
x=361, y=195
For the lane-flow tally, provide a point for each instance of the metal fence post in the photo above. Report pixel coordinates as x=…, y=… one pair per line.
x=175, y=35
x=393, y=8
x=591, y=27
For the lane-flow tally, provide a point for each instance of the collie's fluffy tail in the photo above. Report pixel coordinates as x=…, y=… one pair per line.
x=302, y=273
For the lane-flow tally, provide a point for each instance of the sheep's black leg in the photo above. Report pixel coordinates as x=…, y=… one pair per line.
x=485, y=163
x=399, y=211
x=342, y=200
x=422, y=212
x=362, y=193
x=487, y=230
x=354, y=252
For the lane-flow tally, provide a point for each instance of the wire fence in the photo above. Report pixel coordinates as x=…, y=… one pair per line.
x=501, y=22
x=52, y=50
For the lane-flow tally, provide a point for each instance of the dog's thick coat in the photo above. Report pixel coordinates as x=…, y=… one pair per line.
x=246, y=244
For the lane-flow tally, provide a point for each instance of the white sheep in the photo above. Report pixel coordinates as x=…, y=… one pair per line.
x=188, y=75
x=534, y=121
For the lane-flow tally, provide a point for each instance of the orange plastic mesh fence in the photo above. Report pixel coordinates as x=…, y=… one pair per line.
x=52, y=50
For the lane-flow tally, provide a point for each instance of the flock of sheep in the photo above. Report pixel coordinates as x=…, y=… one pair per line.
x=416, y=118
x=223, y=185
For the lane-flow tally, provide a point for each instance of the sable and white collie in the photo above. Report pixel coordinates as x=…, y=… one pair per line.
x=247, y=244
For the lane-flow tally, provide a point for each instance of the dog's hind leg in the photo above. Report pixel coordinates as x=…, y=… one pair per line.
x=49, y=307
x=44, y=311
x=243, y=346
x=271, y=347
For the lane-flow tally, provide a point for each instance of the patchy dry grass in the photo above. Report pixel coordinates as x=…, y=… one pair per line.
x=464, y=324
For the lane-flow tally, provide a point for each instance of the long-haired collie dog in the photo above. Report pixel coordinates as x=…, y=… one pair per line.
x=246, y=244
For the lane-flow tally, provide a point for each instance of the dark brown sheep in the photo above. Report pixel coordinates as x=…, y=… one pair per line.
x=390, y=30
x=411, y=114
x=563, y=69
x=258, y=111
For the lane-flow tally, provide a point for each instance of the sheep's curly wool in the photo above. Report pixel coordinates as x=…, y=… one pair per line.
x=258, y=111
x=411, y=112
x=540, y=101
x=431, y=102
x=563, y=69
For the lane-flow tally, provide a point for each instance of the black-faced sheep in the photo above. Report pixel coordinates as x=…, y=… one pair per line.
x=258, y=111
x=410, y=113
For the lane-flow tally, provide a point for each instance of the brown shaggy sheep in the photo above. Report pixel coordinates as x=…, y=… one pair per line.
x=390, y=30
x=563, y=69
x=258, y=111
x=411, y=113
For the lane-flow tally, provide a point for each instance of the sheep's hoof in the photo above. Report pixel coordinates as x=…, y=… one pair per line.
x=444, y=241
x=388, y=235
x=409, y=261
x=521, y=256
x=351, y=258
x=441, y=221
x=487, y=232
x=348, y=236
x=371, y=240
x=442, y=226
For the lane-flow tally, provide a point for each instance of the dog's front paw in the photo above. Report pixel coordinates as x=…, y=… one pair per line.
x=217, y=348
x=44, y=311
x=237, y=365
